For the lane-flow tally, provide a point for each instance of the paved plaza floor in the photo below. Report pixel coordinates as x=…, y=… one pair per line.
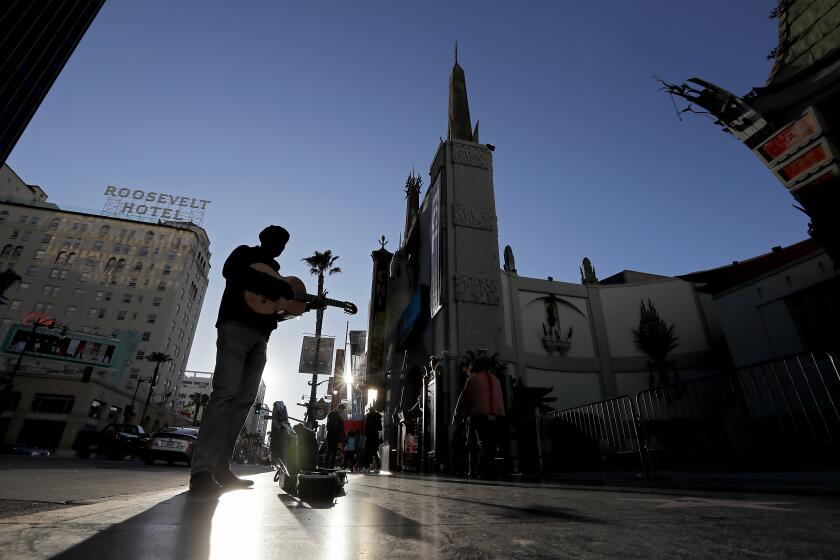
x=395, y=517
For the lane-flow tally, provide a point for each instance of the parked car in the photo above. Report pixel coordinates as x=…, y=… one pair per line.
x=115, y=441
x=22, y=449
x=172, y=445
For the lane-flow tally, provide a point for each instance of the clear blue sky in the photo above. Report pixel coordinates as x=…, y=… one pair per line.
x=311, y=114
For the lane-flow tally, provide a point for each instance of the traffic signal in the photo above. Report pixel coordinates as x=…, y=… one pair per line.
x=257, y=408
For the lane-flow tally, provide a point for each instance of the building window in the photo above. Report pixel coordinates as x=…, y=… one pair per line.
x=167, y=269
x=23, y=219
x=71, y=258
x=15, y=234
x=156, y=301
x=70, y=310
x=31, y=270
x=104, y=230
x=92, y=313
x=7, y=250
x=39, y=254
x=39, y=307
x=101, y=313
x=56, y=404
x=62, y=275
x=100, y=296
x=97, y=245
x=47, y=290
x=120, y=265
x=126, y=298
x=108, y=296
x=134, y=316
x=132, y=283
x=146, y=336
x=121, y=315
x=141, y=354
x=171, y=255
x=151, y=318
x=15, y=304
x=54, y=223
x=78, y=292
x=83, y=277
x=143, y=251
x=23, y=286
x=4, y=215
x=138, y=266
x=162, y=286
x=34, y=221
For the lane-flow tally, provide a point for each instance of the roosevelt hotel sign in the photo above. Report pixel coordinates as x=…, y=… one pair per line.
x=151, y=206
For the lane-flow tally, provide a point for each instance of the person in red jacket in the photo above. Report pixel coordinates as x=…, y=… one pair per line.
x=481, y=404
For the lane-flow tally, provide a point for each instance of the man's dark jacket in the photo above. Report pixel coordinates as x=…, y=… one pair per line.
x=240, y=276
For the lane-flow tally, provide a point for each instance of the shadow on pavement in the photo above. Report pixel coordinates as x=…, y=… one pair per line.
x=365, y=513
x=175, y=528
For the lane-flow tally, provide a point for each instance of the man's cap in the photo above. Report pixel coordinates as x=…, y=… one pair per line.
x=274, y=235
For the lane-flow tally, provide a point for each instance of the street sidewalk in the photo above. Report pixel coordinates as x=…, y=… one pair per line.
x=809, y=483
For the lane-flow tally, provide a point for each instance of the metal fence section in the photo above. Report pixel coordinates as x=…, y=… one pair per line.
x=772, y=407
x=596, y=435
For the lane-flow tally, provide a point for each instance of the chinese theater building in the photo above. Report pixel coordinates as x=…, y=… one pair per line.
x=443, y=294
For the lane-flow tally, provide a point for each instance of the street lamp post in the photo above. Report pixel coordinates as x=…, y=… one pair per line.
x=130, y=410
x=152, y=384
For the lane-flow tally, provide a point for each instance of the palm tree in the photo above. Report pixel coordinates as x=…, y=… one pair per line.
x=158, y=358
x=319, y=265
x=656, y=339
x=199, y=401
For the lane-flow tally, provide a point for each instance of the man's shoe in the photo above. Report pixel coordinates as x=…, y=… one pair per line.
x=230, y=481
x=204, y=484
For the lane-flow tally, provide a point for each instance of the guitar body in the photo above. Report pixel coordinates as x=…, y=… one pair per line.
x=263, y=305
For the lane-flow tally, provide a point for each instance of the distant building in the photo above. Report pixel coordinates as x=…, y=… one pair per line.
x=114, y=291
x=38, y=39
x=193, y=382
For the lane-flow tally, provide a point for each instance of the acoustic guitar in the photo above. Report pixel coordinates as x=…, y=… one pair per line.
x=263, y=305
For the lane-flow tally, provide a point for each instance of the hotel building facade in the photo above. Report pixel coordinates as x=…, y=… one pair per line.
x=97, y=296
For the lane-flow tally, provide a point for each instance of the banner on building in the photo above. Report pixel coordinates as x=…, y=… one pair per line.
x=325, y=355
x=113, y=353
x=358, y=341
x=379, y=301
x=435, y=288
x=339, y=363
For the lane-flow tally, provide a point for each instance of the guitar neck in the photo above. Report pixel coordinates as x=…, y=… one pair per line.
x=309, y=298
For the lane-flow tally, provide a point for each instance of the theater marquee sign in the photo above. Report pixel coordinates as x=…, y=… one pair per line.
x=151, y=206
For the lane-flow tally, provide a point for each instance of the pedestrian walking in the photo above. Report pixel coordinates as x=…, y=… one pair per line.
x=373, y=425
x=335, y=434
x=482, y=406
x=350, y=451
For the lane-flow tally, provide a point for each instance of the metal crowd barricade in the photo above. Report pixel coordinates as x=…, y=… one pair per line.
x=592, y=436
x=772, y=407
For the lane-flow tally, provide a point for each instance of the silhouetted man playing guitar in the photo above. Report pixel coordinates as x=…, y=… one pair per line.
x=240, y=358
